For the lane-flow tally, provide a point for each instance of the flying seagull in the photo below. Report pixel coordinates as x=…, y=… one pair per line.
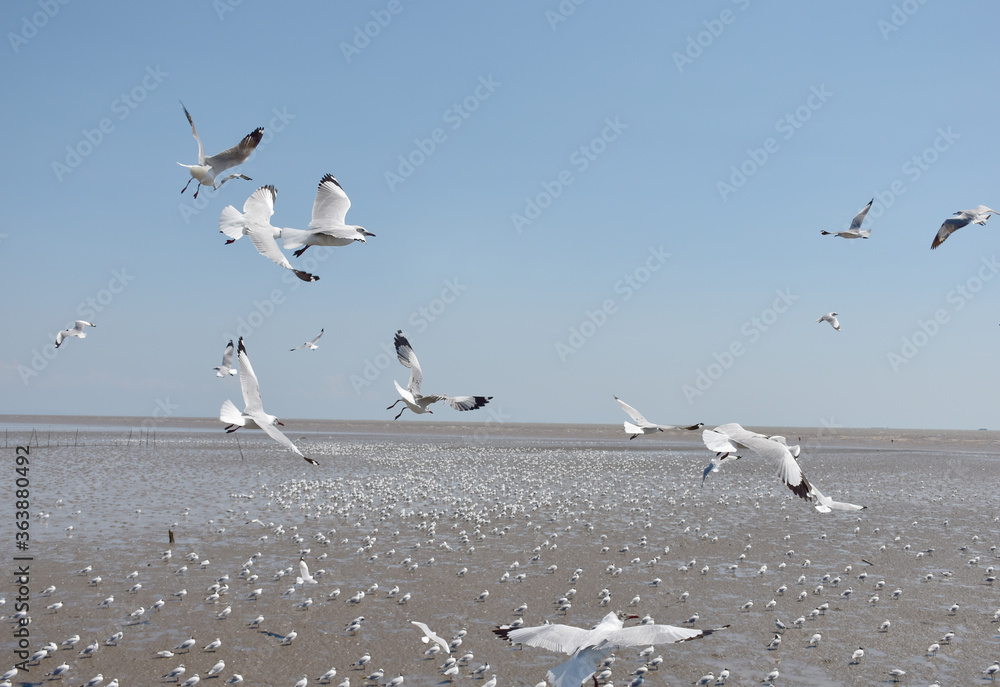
x=431, y=636
x=327, y=227
x=978, y=215
x=77, y=331
x=226, y=368
x=253, y=415
x=587, y=647
x=209, y=167
x=855, y=231
x=644, y=426
x=411, y=395
x=728, y=437
x=255, y=222
x=309, y=344
x=831, y=317
x=825, y=504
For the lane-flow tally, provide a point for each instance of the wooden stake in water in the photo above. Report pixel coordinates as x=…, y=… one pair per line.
x=240, y=447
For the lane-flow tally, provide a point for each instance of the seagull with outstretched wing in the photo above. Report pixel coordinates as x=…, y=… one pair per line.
x=644, y=426
x=411, y=395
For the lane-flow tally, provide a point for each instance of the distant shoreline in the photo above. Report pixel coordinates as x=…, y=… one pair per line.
x=810, y=437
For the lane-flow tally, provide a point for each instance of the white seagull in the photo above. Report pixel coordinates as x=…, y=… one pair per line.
x=209, y=167
x=825, y=504
x=977, y=215
x=77, y=331
x=253, y=415
x=644, y=426
x=831, y=317
x=411, y=395
x=304, y=576
x=226, y=368
x=725, y=438
x=255, y=222
x=327, y=227
x=855, y=231
x=587, y=647
x=431, y=636
x=311, y=345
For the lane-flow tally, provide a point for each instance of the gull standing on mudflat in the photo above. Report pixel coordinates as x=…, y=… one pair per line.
x=644, y=426
x=411, y=395
x=253, y=415
x=831, y=317
x=226, y=368
x=77, y=331
x=311, y=345
x=977, y=215
x=327, y=227
x=209, y=167
x=855, y=231
x=587, y=647
x=255, y=222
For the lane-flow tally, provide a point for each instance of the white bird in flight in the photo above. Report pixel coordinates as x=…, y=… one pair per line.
x=831, y=317
x=587, y=647
x=977, y=215
x=327, y=227
x=855, y=231
x=727, y=438
x=825, y=504
x=255, y=222
x=77, y=331
x=431, y=636
x=411, y=395
x=210, y=167
x=253, y=415
x=304, y=576
x=226, y=368
x=311, y=345
x=644, y=426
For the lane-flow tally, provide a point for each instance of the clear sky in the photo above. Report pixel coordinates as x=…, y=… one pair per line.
x=571, y=200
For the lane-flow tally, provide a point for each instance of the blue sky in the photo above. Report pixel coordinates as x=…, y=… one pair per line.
x=618, y=199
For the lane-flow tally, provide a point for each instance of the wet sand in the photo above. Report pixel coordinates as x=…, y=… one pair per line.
x=412, y=504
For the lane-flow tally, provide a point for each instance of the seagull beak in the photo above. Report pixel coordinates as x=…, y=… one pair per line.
x=281, y=423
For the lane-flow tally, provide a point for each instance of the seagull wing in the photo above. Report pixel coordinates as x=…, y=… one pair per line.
x=331, y=205
x=318, y=336
x=432, y=636
x=562, y=638
x=788, y=470
x=257, y=211
x=643, y=635
x=248, y=382
x=227, y=356
x=577, y=670
x=276, y=434
x=718, y=441
x=236, y=155
x=404, y=393
x=259, y=207
x=409, y=359
x=633, y=413
x=466, y=402
x=949, y=227
x=825, y=504
x=860, y=217
x=201, y=148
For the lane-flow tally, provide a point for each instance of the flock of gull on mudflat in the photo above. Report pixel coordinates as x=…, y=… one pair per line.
x=592, y=651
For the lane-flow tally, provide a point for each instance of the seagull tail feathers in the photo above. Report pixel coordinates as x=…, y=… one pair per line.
x=293, y=238
x=231, y=222
x=230, y=414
